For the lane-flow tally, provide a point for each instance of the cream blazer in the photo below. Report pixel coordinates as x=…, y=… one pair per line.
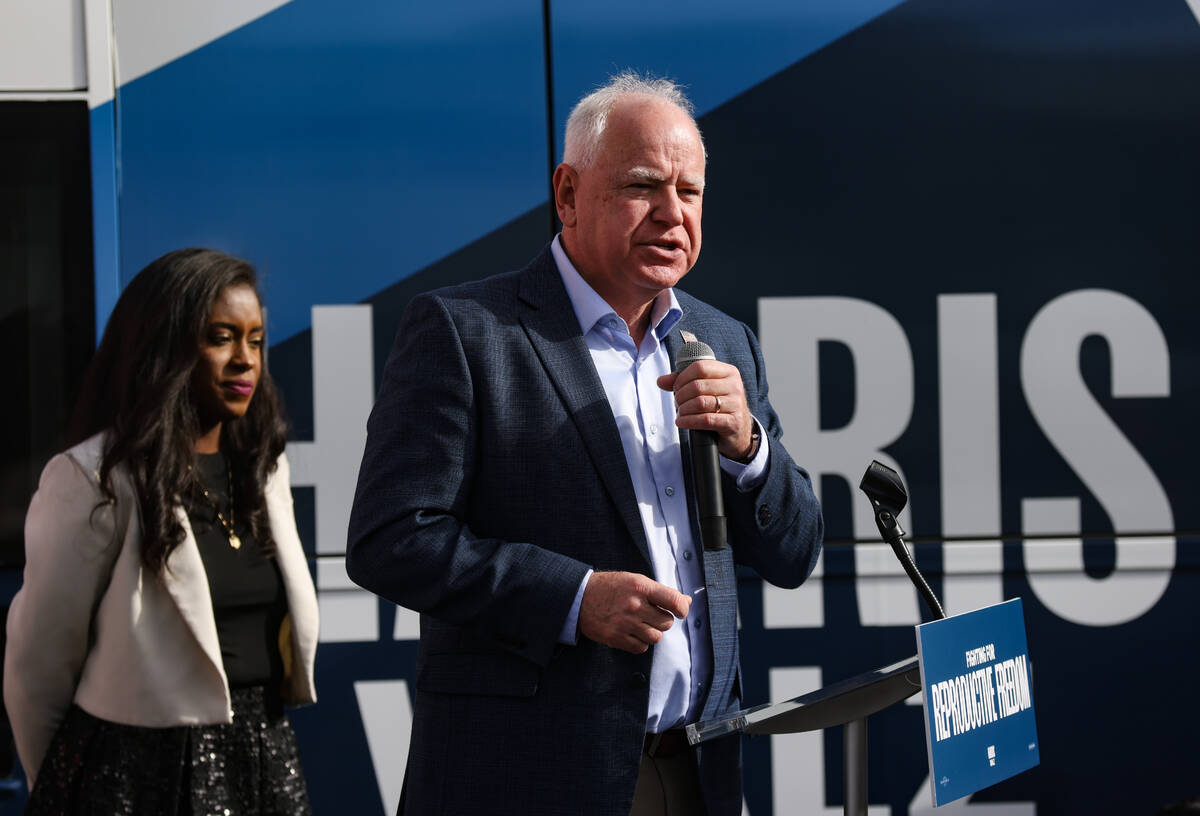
x=92, y=626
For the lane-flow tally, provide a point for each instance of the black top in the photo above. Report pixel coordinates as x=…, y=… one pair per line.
x=249, y=600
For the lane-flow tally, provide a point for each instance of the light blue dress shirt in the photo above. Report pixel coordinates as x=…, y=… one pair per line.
x=645, y=415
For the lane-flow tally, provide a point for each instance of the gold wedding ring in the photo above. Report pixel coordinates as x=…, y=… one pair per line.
x=718, y=405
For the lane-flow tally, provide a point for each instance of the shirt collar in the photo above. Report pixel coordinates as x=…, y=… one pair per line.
x=592, y=309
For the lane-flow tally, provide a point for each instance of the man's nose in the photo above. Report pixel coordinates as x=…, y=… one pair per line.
x=668, y=208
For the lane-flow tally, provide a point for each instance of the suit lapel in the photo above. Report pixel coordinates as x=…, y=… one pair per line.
x=187, y=583
x=550, y=323
x=721, y=590
x=184, y=578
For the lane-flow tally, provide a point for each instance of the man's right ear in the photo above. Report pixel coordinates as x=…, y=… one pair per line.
x=566, y=183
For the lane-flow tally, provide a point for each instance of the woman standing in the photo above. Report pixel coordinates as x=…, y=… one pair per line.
x=167, y=611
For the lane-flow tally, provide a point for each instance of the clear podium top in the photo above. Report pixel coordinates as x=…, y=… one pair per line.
x=836, y=704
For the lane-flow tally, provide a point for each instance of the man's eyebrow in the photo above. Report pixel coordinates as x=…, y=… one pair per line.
x=652, y=175
x=645, y=174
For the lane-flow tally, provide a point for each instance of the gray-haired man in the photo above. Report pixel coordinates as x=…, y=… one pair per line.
x=523, y=487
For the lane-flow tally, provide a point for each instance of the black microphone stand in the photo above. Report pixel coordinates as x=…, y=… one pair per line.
x=888, y=497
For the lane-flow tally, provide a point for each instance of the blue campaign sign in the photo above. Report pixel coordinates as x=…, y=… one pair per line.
x=979, y=721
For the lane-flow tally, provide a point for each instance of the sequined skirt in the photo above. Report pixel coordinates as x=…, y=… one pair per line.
x=250, y=767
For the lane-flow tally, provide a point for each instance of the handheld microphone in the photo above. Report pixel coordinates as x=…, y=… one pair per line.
x=706, y=463
x=888, y=497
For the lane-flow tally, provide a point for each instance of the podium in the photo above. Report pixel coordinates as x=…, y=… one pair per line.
x=847, y=703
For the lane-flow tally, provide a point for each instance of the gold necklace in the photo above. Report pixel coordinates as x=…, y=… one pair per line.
x=227, y=526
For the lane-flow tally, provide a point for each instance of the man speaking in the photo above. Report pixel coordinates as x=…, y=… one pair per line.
x=527, y=488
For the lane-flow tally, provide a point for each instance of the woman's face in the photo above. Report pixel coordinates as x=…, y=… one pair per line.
x=226, y=375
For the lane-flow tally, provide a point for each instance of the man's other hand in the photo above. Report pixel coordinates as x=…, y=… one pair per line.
x=629, y=611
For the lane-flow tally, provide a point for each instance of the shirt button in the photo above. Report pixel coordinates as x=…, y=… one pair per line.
x=687, y=555
x=653, y=430
x=670, y=491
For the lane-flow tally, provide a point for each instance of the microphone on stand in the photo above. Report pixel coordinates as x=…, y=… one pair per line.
x=888, y=497
x=706, y=463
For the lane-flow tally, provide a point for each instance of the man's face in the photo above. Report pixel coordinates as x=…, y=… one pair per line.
x=631, y=220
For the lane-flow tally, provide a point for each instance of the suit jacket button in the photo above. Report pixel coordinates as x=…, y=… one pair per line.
x=764, y=515
x=638, y=680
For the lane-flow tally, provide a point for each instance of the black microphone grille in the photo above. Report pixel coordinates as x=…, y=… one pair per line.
x=692, y=351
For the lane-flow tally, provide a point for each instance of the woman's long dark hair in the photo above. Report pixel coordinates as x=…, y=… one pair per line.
x=138, y=389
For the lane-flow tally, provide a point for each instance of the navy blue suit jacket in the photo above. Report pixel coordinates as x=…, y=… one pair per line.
x=493, y=478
